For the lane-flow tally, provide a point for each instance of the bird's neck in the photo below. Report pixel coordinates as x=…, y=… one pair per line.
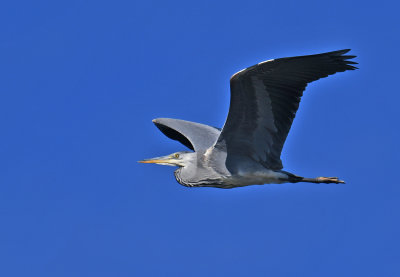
x=192, y=176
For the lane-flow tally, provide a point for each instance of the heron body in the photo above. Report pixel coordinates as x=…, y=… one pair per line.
x=246, y=151
x=200, y=171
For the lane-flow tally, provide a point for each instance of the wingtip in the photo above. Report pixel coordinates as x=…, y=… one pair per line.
x=341, y=52
x=162, y=120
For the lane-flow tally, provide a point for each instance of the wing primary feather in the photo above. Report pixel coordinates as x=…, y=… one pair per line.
x=264, y=101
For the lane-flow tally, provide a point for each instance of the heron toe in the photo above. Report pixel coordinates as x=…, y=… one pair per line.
x=328, y=180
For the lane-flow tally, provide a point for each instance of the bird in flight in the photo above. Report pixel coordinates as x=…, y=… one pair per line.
x=247, y=150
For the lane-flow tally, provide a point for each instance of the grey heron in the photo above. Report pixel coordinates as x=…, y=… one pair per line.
x=247, y=150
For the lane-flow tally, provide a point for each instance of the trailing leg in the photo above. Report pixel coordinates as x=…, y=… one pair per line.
x=327, y=180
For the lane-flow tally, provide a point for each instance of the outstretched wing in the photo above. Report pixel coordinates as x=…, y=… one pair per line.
x=264, y=101
x=193, y=135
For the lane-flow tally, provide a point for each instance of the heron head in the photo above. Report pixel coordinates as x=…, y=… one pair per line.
x=176, y=159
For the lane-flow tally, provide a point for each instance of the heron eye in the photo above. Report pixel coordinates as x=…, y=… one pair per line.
x=176, y=155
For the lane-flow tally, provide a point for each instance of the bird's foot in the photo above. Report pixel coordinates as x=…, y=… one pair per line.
x=328, y=180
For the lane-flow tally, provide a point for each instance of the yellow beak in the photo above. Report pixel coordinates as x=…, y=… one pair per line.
x=165, y=160
x=152, y=161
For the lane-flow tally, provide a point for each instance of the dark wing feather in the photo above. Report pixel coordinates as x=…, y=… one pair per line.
x=194, y=136
x=264, y=101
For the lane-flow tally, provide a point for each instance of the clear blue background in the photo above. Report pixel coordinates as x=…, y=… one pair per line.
x=80, y=83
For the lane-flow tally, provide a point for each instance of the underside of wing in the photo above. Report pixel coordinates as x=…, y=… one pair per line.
x=193, y=135
x=264, y=101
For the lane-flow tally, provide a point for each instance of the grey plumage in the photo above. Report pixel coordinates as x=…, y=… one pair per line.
x=195, y=136
x=264, y=101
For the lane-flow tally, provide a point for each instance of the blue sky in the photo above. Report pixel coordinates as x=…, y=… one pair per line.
x=81, y=82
